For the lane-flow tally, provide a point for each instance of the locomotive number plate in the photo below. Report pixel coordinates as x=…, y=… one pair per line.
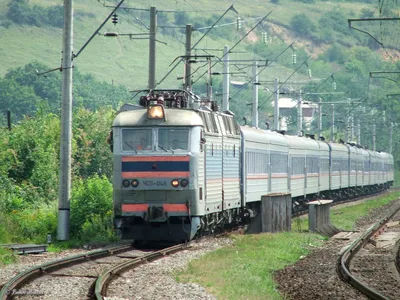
x=155, y=182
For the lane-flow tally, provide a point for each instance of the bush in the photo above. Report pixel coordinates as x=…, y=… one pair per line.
x=91, y=205
x=7, y=257
x=33, y=225
x=98, y=229
x=20, y=12
x=302, y=25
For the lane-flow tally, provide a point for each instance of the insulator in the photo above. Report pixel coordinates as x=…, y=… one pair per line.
x=265, y=37
x=334, y=85
x=114, y=19
x=294, y=58
x=309, y=73
x=143, y=101
x=238, y=23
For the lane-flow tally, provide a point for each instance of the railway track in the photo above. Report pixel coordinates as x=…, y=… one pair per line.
x=102, y=282
x=14, y=286
x=370, y=272
x=19, y=285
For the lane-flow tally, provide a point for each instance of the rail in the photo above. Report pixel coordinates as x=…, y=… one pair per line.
x=105, y=278
x=345, y=258
x=10, y=287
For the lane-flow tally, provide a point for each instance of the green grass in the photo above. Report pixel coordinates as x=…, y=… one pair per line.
x=245, y=269
x=7, y=257
x=345, y=217
x=124, y=61
x=396, y=178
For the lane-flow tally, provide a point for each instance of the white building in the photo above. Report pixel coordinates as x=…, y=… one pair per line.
x=288, y=107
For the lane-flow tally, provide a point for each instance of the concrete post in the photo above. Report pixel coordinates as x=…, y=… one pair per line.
x=276, y=104
x=254, y=115
x=225, y=86
x=66, y=124
x=152, y=48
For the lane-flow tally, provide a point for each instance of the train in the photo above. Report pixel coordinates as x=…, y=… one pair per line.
x=183, y=168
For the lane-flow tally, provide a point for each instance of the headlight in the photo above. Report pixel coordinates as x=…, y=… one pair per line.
x=135, y=182
x=155, y=112
x=184, y=182
x=126, y=183
x=175, y=183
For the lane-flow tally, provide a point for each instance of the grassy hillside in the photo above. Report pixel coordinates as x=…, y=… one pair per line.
x=121, y=60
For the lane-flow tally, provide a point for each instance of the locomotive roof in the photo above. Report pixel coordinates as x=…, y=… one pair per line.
x=173, y=117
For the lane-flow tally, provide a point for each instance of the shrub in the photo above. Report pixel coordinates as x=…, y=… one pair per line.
x=33, y=225
x=91, y=199
x=98, y=229
x=302, y=25
x=7, y=257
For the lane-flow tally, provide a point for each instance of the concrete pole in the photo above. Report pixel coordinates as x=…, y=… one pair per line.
x=276, y=104
x=319, y=117
x=352, y=127
x=359, y=132
x=254, y=115
x=348, y=121
x=332, y=121
x=299, y=115
x=188, y=70
x=374, y=136
x=390, y=137
x=152, y=49
x=225, y=85
x=209, y=80
x=66, y=124
x=8, y=119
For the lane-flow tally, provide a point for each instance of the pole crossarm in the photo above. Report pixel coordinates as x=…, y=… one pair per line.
x=384, y=77
x=369, y=20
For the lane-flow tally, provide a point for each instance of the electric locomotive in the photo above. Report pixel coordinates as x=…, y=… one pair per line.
x=167, y=160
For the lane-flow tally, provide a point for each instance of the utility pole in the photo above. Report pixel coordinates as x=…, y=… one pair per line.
x=188, y=69
x=8, y=119
x=348, y=121
x=319, y=117
x=390, y=137
x=352, y=127
x=225, y=85
x=299, y=115
x=276, y=104
x=66, y=122
x=209, y=80
x=332, y=122
x=374, y=136
x=359, y=132
x=152, y=48
x=254, y=115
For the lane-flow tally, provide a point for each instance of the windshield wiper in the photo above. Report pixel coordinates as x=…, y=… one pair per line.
x=131, y=147
x=162, y=148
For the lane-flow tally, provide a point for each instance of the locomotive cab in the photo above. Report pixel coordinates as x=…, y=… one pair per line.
x=155, y=181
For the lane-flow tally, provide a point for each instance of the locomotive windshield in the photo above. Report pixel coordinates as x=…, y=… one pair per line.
x=173, y=138
x=137, y=139
x=155, y=139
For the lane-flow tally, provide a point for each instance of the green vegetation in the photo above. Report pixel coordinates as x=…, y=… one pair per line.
x=30, y=43
x=344, y=217
x=20, y=12
x=7, y=257
x=28, y=199
x=245, y=269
